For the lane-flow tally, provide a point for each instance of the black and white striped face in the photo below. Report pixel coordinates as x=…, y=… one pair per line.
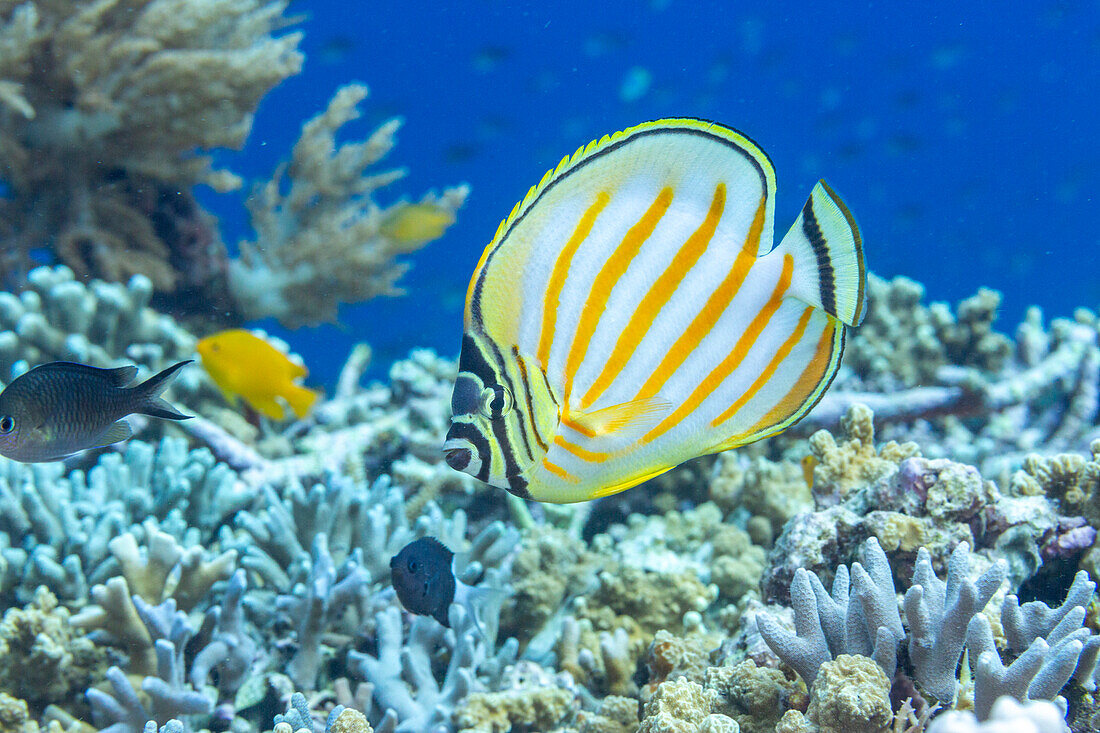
x=492, y=436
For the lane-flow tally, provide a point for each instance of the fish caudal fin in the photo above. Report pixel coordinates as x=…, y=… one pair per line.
x=148, y=392
x=300, y=399
x=828, y=257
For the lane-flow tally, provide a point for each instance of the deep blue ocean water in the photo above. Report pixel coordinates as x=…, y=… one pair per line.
x=964, y=137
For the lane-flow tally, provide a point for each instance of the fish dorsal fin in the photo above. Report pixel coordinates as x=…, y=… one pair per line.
x=121, y=376
x=117, y=377
x=626, y=419
x=119, y=431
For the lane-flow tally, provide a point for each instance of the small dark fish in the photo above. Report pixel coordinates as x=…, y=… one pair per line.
x=61, y=408
x=424, y=578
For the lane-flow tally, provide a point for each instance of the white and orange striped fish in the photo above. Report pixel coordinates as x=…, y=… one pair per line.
x=631, y=313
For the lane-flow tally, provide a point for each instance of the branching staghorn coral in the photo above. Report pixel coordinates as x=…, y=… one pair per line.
x=943, y=617
x=102, y=324
x=402, y=671
x=934, y=610
x=167, y=694
x=103, y=106
x=859, y=617
x=322, y=240
x=69, y=532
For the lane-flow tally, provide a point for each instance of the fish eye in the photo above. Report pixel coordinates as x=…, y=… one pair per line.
x=496, y=401
x=7, y=424
x=413, y=567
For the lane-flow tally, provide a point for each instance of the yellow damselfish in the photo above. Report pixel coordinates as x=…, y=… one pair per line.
x=246, y=366
x=632, y=313
x=415, y=224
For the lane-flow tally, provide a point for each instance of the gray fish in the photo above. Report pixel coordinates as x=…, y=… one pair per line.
x=424, y=578
x=61, y=408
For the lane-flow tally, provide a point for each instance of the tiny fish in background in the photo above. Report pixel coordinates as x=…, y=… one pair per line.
x=246, y=366
x=414, y=224
x=631, y=313
x=808, y=463
x=62, y=408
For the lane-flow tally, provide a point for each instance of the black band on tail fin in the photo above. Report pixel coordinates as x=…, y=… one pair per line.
x=829, y=272
x=825, y=276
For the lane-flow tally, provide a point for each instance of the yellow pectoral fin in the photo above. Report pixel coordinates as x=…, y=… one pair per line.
x=628, y=483
x=625, y=419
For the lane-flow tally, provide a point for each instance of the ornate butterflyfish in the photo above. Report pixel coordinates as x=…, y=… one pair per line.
x=632, y=313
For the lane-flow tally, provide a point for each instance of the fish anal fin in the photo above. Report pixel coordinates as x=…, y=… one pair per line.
x=300, y=399
x=623, y=419
x=119, y=431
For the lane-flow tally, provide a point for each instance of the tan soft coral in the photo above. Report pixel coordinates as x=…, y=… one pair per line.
x=103, y=106
x=322, y=238
x=106, y=110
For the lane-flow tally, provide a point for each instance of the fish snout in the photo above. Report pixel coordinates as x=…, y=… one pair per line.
x=459, y=454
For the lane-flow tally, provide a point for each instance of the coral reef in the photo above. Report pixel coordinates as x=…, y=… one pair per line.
x=913, y=556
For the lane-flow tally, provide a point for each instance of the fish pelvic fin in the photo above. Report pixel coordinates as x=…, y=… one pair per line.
x=828, y=257
x=149, y=401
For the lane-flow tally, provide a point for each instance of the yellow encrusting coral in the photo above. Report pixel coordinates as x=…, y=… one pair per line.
x=536, y=709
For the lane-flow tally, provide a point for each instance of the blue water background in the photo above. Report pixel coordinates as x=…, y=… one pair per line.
x=965, y=137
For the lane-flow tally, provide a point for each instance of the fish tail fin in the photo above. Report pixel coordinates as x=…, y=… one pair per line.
x=148, y=394
x=828, y=257
x=300, y=399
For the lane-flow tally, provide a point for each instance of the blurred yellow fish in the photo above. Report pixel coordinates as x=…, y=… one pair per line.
x=809, y=463
x=246, y=366
x=414, y=224
x=631, y=313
